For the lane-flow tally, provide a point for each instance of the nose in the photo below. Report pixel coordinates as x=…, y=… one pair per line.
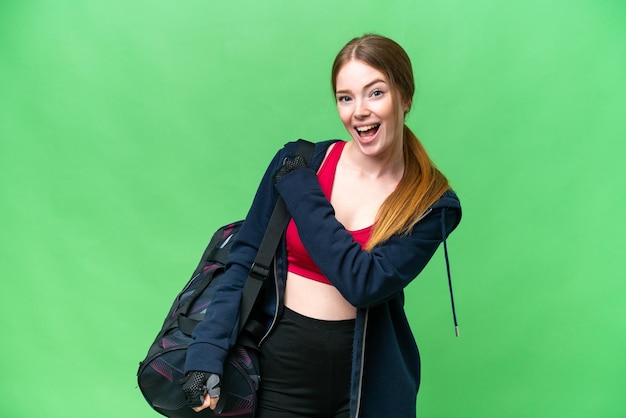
x=361, y=109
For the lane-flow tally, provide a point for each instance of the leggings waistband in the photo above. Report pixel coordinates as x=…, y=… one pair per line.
x=319, y=324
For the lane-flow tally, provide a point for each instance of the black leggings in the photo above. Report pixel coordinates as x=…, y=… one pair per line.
x=307, y=365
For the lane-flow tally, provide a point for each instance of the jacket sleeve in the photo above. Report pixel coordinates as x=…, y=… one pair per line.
x=363, y=278
x=213, y=337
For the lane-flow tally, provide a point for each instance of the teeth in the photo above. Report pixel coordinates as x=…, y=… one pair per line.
x=366, y=128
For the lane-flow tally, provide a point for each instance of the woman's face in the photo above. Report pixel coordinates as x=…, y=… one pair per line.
x=369, y=107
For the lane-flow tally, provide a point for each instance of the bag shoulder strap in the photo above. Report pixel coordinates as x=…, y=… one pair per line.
x=262, y=263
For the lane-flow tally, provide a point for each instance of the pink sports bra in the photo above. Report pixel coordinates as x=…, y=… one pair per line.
x=298, y=259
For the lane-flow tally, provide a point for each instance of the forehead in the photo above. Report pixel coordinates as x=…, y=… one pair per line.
x=356, y=73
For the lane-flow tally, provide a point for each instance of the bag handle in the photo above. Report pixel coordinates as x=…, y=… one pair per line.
x=262, y=263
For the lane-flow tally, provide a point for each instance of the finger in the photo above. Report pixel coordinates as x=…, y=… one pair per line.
x=213, y=403
x=206, y=404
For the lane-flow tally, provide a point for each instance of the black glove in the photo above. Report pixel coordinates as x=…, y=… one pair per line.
x=198, y=384
x=289, y=164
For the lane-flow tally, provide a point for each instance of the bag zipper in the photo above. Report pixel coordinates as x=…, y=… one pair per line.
x=147, y=361
x=275, y=318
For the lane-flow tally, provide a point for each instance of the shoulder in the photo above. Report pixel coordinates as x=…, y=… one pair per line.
x=449, y=208
x=289, y=149
x=448, y=200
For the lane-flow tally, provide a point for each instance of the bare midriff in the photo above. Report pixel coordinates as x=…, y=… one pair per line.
x=316, y=300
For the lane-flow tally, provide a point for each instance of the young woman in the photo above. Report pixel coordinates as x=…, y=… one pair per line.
x=366, y=218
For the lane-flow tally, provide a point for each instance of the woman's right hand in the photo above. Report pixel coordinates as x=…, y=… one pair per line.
x=202, y=390
x=209, y=402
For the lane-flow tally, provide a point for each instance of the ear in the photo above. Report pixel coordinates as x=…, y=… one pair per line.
x=407, y=106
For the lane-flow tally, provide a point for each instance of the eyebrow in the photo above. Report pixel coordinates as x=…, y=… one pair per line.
x=368, y=85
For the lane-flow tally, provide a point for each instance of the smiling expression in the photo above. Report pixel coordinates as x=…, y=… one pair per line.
x=369, y=107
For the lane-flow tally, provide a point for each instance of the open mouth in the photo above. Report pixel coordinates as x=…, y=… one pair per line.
x=368, y=131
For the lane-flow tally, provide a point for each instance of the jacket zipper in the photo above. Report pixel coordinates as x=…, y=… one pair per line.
x=360, y=389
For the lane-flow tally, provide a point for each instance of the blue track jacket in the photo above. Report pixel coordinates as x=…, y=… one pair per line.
x=386, y=364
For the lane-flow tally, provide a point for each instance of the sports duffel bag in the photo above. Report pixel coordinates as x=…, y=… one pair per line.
x=160, y=372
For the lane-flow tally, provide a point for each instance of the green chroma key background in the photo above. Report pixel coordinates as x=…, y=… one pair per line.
x=130, y=131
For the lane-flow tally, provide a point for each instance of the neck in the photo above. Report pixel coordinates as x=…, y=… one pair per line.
x=389, y=163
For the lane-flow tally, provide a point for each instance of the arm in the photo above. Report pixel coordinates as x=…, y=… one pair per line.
x=363, y=278
x=213, y=337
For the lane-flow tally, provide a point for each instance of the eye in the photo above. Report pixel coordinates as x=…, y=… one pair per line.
x=377, y=93
x=343, y=99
